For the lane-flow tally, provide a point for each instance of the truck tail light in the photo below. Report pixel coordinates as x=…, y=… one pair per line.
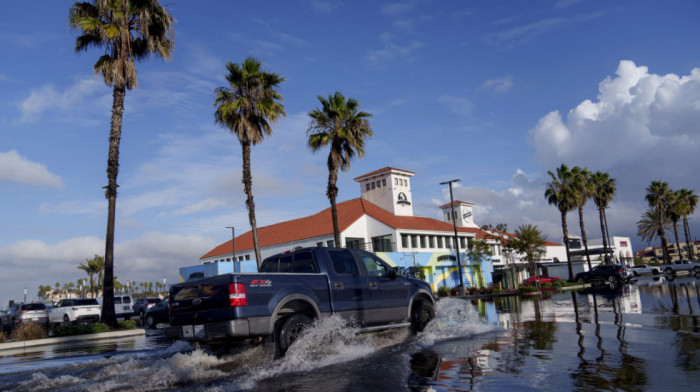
x=236, y=294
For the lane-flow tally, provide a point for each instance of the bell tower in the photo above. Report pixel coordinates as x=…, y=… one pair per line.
x=389, y=188
x=463, y=214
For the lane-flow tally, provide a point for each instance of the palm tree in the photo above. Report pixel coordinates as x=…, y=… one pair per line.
x=605, y=187
x=560, y=194
x=658, y=193
x=689, y=201
x=126, y=31
x=92, y=267
x=653, y=224
x=674, y=208
x=340, y=124
x=530, y=242
x=246, y=107
x=583, y=189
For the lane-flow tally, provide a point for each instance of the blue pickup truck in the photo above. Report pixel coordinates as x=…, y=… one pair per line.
x=295, y=288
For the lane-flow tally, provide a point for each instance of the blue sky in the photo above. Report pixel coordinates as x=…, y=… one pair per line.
x=494, y=93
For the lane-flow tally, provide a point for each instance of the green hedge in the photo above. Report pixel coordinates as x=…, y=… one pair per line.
x=79, y=329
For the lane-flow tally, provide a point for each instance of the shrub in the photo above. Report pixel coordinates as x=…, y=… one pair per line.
x=80, y=329
x=443, y=291
x=528, y=289
x=496, y=291
x=2, y=337
x=29, y=331
x=127, y=324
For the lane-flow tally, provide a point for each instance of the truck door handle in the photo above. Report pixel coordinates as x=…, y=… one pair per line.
x=373, y=285
x=338, y=285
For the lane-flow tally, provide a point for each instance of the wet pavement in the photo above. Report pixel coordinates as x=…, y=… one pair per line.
x=639, y=337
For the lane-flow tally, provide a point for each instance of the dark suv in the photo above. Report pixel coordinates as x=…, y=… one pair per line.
x=605, y=272
x=22, y=313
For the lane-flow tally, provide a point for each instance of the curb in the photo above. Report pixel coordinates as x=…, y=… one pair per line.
x=68, y=339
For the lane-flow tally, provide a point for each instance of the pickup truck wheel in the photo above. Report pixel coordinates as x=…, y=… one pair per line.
x=289, y=331
x=669, y=270
x=150, y=321
x=423, y=312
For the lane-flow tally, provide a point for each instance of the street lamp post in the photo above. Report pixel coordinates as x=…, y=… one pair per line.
x=233, y=248
x=462, y=290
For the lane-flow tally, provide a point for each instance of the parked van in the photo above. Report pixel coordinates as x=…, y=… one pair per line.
x=123, y=306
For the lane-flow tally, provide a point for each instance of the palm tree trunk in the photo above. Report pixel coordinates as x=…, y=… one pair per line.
x=602, y=231
x=115, y=134
x=675, y=233
x=565, y=229
x=607, y=235
x=248, y=186
x=332, y=193
x=664, y=246
x=583, y=236
x=689, y=244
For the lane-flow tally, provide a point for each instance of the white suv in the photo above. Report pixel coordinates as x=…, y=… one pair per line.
x=123, y=306
x=75, y=310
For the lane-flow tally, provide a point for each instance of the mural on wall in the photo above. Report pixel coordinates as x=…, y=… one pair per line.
x=440, y=268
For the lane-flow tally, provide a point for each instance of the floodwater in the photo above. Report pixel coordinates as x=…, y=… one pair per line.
x=639, y=337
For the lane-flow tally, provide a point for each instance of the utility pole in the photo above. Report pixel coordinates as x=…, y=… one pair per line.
x=233, y=248
x=462, y=290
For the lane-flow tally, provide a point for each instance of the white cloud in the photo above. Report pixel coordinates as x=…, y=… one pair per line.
x=31, y=263
x=499, y=85
x=642, y=127
x=16, y=168
x=521, y=35
x=49, y=98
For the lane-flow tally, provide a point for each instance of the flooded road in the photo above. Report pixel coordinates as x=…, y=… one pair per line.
x=639, y=337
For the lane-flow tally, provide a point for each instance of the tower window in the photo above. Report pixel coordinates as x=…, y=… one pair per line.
x=368, y=186
x=374, y=185
x=384, y=182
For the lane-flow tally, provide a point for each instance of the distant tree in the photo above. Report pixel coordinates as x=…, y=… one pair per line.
x=530, y=242
x=560, y=194
x=674, y=210
x=125, y=31
x=658, y=193
x=503, y=227
x=340, y=124
x=583, y=188
x=652, y=225
x=605, y=187
x=689, y=201
x=246, y=107
x=477, y=250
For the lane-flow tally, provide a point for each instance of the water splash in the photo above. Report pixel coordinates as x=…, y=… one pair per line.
x=454, y=318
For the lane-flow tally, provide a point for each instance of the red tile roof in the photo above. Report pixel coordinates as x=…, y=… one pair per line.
x=386, y=169
x=321, y=224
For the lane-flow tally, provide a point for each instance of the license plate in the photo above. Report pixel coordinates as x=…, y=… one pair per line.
x=126, y=308
x=187, y=331
x=35, y=319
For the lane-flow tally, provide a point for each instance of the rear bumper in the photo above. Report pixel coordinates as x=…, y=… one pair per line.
x=237, y=329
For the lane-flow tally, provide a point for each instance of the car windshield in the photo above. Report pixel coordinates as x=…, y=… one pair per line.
x=33, y=307
x=86, y=301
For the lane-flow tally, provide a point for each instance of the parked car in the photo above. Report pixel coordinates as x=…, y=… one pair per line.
x=293, y=289
x=75, y=310
x=540, y=279
x=19, y=313
x=680, y=265
x=605, y=272
x=142, y=304
x=643, y=269
x=123, y=306
x=159, y=313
